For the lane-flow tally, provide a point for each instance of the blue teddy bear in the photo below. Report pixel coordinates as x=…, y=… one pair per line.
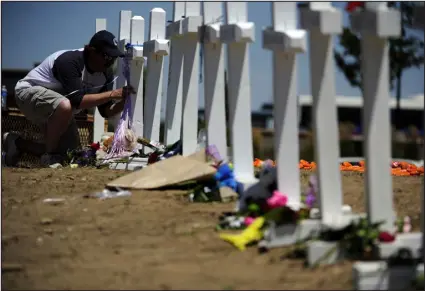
x=226, y=178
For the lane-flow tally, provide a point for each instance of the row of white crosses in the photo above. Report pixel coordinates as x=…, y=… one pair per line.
x=376, y=24
x=184, y=32
x=214, y=84
x=99, y=122
x=183, y=86
x=182, y=97
x=146, y=112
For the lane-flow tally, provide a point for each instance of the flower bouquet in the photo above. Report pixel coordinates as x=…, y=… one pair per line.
x=85, y=157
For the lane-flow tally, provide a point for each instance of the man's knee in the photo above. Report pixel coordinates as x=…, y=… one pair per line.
x=40, y=105
x=63, y=110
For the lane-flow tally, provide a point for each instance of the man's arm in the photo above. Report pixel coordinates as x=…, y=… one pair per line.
x=67, y=70
x=110, y=108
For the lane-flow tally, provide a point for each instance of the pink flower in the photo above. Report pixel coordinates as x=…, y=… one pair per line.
x=395, y=164
x=248, y=220
x=277, y=200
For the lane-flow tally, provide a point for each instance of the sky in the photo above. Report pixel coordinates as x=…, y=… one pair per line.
x=33, y=30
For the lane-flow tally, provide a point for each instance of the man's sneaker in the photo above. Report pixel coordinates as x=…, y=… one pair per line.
x=11, y=152
x=51, y=161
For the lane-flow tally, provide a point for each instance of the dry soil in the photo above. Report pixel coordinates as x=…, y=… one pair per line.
x=151, y=240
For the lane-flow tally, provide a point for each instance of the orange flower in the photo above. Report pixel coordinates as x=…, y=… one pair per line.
x=304, y=162
x=346, y=164
x=396, y=168
x=404, y=165
x=257, y=163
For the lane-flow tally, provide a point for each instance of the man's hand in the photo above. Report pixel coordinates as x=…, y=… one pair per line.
x=122, y=93
x=119, y=95
x=92, y=100
x=115, y=108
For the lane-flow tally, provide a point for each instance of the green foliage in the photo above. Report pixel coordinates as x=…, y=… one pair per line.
x=358, y=240
x=405, y=52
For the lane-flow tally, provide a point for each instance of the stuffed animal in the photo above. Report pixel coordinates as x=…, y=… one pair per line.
x=225, y=177
x=261, y=191
x=251, y=234
x=108, y=143
x=131, y=140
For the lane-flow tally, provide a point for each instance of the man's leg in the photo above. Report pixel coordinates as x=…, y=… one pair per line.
x=29, y=146
x=11, y=148
x=57, y=125
x=70, y=140
x=44, y=107
x=13, y=143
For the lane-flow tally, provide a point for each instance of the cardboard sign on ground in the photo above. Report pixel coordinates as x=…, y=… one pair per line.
x=168, y=172
x=199, y=156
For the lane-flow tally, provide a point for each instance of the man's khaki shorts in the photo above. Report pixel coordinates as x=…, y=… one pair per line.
x=38, y=104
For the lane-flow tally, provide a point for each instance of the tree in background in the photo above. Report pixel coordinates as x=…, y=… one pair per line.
x=405, y=52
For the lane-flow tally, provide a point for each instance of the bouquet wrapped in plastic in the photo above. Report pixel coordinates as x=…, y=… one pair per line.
x=124, y=142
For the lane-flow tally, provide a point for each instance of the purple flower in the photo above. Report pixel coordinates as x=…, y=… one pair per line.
x=87, y=154
x=268, y=164
x=312, y=190
x=310, y=200
x=313, y=183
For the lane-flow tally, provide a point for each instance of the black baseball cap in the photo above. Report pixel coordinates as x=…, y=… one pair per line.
x=107, y=43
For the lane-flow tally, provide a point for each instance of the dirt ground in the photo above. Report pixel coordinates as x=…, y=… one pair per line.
x=151, y=240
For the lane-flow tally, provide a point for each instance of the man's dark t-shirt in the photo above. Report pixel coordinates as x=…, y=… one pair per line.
x=67, y=73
